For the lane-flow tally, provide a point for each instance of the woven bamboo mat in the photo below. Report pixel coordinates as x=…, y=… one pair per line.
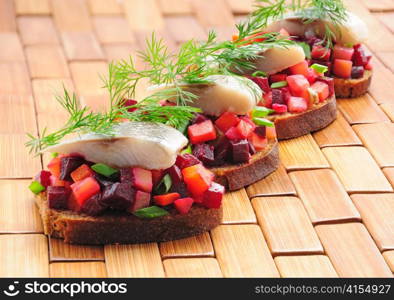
x=327, y=211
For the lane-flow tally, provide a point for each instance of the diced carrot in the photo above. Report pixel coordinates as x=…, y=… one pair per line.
x=166, y=199
x=81, y=172
x=197, y=179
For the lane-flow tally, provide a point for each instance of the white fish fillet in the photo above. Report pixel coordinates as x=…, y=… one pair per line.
x=144, y=144
x=353, y=31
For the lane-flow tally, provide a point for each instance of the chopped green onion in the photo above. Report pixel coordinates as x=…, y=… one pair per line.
x=150, y=212
x=263, y=122
x=54, y=154
x=279, y=84
x=36, y=187
x=164, y=185
x=187, y=150
x=321, y=69
x=259, y=74
x=261, y=112
x=306, y=48
x=103, y=169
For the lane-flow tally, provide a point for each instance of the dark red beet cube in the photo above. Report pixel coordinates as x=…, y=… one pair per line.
x=330, y=82
x=126, y=175
x=204, y=153
x=285, y=94
x=44, y=178
x=212, y=197
x=261, y=131
x=103, y=181
x=179, y=188
x=252, y=149
x=359, y=57
x=130, y=102
x=186, y=160
x=199, y=118
x=262, y=82
x=175, y=174
x=93, y=206
x=69, y=164
x=58, y=197
x=277, y=97
x=118, y=196
x=141, y=200
x=222, y=151
x=240, y=151
x=357, y=72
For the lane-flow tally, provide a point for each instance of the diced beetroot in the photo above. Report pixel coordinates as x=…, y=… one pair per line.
x=320, y=52
x=357, y=72
x=286, y=94
x=157, y=175
x=279, y=108
x=297, y=105
x=277, y=77
x=277, y=97
x=261, y=131
x=359, y=57
x=57, y=197
x=68, y=164
x=183, y=205
x=130, y=102
x=81, y=172
x=179, y=188
x=103, y=181
x=204, y=153
x=342, y=68
x=330, y=82
x=321, y=89
x=267, y=100
x=118, y=196
x=312, y=75
x=142, y=179
x=298, y=85
x=222, y=150
x=43, y=177
x=213, y=196
x=141, y=200
x=186, y=160
x=252, y=149
x=54, y=166
x=226, y=121
x=175, y=174
x=166, y=199
x=300, y=68
x=93, y=206
x=262, y=82
x=82, y=191
x=201, y=132
x=259, y=142
x=126, y=175
x=197, y=178
x=240, y=151
x=199, y=118
x=341, y=52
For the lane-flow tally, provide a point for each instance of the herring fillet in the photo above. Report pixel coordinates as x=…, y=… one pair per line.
x=143, y=144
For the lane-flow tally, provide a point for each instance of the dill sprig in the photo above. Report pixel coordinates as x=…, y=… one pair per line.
x=268, y=11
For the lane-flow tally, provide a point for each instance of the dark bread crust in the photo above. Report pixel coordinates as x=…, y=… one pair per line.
x=261, y=164
x=352, y=88
x=292, y=125
x=125, y=228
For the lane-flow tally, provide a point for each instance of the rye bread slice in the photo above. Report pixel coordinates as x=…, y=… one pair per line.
x=261, y=164
x=292, y=125
x=124, y=228
x=352, y=88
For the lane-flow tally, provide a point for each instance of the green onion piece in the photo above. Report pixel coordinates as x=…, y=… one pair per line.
x=164, y=185
x=259, y=74
x=36, y=187
x=279, y=84
x=306, y=48
x=263, y=122
x=261, y=112
x=150, y=212
x=54, y=154
x=103, y=169
x=187, y=150
x=321, y=69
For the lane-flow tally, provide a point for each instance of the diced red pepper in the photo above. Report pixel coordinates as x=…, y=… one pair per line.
x=258, y=142
x=226, y=121
x=321, y=53
x=183, y=205
x=297, y=105
x=213, y=196
x=341, y=52
x=197, y=178
x=279, y=108
x=81, y=172
x=166, y=199
x=83, y=190
x=342, y=68
x=321, y=89
x=142, y=179
x=298, y=85
x=300, y=68
x=201, y=132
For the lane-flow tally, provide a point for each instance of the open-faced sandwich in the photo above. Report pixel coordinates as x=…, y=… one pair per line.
x=124, y=178
x=330, y=35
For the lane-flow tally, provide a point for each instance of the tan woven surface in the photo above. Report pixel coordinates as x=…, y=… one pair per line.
x=327, y=211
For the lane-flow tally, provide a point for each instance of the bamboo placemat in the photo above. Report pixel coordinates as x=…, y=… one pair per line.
x=327, y=211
